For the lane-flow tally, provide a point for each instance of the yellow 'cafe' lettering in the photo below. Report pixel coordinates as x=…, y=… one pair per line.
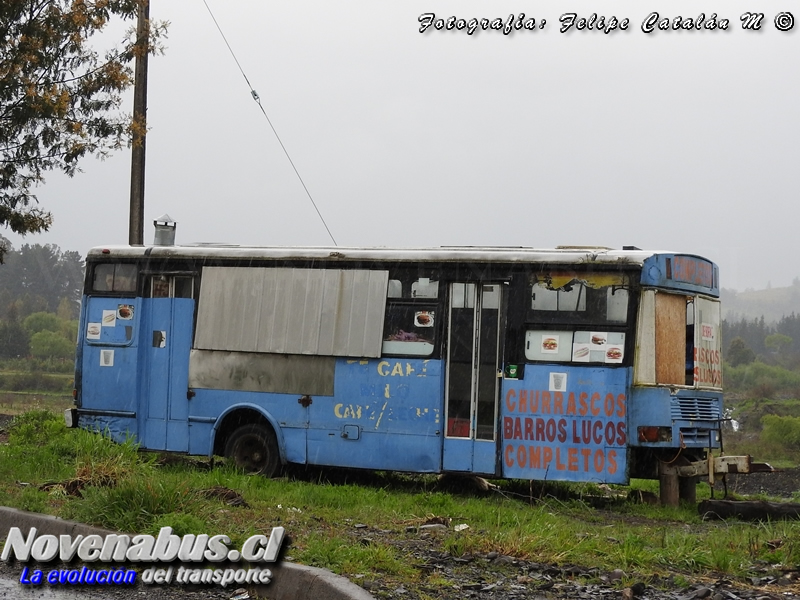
x=397, y=369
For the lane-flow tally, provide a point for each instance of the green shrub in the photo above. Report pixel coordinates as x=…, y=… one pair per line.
x=759, y=379
x=48, y=344
x=35, y=382
x=784, y=431
x=41, y=321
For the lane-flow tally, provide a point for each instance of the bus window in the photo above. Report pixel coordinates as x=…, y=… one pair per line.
x=591, y=298
x=159, y=287
x=184, y=287
x=617, y=305
x=167, y=286
x=425, y=288
x=555, y=346
x=707, y=354
x=395, y=289
x=114, y=278
x=409, y=329
x=577, y=317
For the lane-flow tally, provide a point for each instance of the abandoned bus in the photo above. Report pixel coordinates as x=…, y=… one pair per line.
x=572, y=364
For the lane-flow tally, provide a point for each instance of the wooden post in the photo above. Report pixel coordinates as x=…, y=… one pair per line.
x=687, y=489
x=668, y=485
x=139, y=129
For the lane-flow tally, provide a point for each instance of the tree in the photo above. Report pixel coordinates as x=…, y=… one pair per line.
x=41, y=321
x=59, y=99
x=13, y=340
x=40, y=277
x=739, y=353
x=778, y=343
x=48, y=344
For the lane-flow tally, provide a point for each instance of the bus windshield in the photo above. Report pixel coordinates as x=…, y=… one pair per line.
x=577, y=317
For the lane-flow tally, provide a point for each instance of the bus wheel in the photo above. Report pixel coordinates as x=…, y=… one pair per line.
x=254, y=449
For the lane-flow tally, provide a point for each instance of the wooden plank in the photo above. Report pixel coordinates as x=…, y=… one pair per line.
x=670, y=338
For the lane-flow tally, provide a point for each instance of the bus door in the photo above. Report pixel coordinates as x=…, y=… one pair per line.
x=166, y=342
x=108, y=356
x=472, y=380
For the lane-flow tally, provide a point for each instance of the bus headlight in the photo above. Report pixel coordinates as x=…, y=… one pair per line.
x=652, y=433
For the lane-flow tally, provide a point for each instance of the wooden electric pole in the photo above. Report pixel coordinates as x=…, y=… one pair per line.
x=139, y=130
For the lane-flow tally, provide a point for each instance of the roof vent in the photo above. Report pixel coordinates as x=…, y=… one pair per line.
x=165, y=231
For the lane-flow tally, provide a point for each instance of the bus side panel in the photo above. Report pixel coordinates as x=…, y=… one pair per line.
x=566, y=423
x=385, y=414
x=289, y=417
x=109, y=366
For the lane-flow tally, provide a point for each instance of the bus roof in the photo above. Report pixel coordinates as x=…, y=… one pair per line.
x=559, y=255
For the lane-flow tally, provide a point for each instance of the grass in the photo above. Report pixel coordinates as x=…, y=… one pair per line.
x=125, y=490
x=15, y=403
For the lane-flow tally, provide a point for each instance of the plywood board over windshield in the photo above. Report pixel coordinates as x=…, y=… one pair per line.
x=670, y=338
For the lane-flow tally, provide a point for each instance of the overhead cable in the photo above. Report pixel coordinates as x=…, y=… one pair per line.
x=256, y=97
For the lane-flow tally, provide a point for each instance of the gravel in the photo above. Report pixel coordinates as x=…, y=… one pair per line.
x=498, y=577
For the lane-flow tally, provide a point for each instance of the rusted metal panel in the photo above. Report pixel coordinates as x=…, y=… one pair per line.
x=258, y=372
x=326, y=312
x=670, y=338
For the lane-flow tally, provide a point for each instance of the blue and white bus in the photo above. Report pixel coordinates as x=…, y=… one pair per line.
x=574, y=364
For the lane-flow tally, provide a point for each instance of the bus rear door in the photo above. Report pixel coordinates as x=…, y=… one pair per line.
x=166, y=342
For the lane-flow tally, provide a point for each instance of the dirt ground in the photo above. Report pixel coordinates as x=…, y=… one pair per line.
x=4, y=422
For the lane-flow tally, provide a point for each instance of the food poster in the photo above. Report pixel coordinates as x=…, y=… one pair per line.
x=423, y=318
x=110, y=323
x=93, y=331
x=549, y=344
x=598, y=346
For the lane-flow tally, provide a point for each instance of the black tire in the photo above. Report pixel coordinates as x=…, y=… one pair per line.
x=254, y=449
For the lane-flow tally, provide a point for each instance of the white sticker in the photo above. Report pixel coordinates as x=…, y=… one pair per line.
x=109, y=318
x=580, y=352
x=558, y=382
x=614, y=354
x=599, y=338
x=93, y=331
x=106, y=358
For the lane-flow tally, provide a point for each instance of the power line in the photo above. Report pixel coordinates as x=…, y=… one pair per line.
x=255, y=96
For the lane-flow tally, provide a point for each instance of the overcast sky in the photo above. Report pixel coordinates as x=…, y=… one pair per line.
x=675, y=140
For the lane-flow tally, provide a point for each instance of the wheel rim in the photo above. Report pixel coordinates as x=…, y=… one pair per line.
x=251, y=453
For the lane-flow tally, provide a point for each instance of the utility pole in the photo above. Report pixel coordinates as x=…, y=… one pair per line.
x=139, y=129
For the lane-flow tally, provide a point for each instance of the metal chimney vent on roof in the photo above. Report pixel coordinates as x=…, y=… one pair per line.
x=165, y=231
